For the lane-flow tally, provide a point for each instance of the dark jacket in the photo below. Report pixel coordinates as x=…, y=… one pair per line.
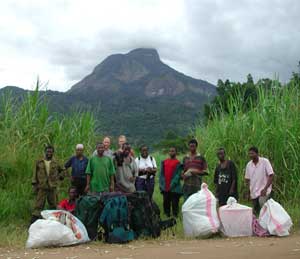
x=175, y=181
x=42, y=180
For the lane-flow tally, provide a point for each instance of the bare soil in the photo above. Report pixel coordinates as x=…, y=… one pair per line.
x=254, y=248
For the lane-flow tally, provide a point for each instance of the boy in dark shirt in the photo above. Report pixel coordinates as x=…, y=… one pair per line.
x=225, y=178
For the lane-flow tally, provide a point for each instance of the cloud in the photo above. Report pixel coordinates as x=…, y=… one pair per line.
x=62, y=41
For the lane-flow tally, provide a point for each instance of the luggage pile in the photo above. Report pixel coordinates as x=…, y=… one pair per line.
x=111, y=217
x=120, y=218
x=200, y=217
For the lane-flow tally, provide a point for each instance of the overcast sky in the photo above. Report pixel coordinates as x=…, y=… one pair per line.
x=63, y=40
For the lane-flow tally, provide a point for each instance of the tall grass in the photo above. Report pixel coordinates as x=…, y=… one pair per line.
x=273, y=125
x=26, y=126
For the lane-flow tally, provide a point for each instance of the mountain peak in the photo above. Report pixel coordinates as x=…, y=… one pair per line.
x=140, y=71
x=144, y=53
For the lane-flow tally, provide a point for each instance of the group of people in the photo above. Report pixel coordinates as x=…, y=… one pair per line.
x=122, y=171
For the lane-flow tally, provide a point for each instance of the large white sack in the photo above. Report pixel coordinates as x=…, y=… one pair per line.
x=275, y=219
x=70, y=221
x=236, y=219
x=45, y=232
x=58, y=228
x=200, y=214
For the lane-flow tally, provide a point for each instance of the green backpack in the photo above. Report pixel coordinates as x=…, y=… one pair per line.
x=144, y=215
x=88, y=212
x=114, y=220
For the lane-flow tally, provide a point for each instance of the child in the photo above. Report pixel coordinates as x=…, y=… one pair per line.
x=169, y=182
x=69, y=204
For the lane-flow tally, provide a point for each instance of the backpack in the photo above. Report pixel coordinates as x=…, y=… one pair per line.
x=114, y=220
x=145, y=218
x=88, y=211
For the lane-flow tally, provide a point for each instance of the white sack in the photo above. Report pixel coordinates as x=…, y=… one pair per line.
x=236, y=219
x=200, y=214
x=45, y=232
x=58, y=228
x=275, y=219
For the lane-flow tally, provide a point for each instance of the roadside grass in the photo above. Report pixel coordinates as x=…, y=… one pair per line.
x=273, y=125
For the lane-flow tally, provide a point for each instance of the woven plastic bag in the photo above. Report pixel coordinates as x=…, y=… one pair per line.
x=275, y=219
x=236, y=219
x=200, y=216
x=58, y=228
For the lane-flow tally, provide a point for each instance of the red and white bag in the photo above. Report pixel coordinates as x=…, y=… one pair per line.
x=199, y=212
x=275, y=219
x=58, y=228
x=236, y=219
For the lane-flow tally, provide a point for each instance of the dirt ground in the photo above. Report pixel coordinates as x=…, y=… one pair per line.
x=288, y=247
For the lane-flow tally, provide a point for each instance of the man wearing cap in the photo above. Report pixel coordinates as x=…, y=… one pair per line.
x=78, y=163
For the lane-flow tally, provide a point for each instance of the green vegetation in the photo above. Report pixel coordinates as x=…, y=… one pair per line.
x=270, y=121
x=24, y=131
x=173, y=140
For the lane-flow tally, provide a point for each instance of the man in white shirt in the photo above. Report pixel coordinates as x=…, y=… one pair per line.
x=259, y=177
x=147, y=169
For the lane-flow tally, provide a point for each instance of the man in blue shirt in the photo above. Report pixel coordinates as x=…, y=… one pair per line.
x=78, y=163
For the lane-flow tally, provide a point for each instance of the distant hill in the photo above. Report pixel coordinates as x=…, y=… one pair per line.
x=135, y=94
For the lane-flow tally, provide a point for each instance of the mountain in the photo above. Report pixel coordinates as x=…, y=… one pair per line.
x=136, y=94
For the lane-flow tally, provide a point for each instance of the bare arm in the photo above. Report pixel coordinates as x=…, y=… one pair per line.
x=269, y=182
x=88, y=181
x=35, y=180
x=112, y=183
x=247, y=182
x=234, y=179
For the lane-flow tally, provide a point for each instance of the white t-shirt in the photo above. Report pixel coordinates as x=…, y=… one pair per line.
x=143, y=163
x=258, y=175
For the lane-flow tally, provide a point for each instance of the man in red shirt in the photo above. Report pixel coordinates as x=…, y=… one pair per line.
x=69, y=204
x=169, y=182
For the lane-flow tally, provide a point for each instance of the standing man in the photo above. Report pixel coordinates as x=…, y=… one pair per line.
x=107, y=151
x=121, y=141
x=45, y=180
x=147, y=169
x=225, y=178
x=169, y=183
x=259, y=177
x=78, y=163
x=100, y=173
x=126, y=170
x=194, y=167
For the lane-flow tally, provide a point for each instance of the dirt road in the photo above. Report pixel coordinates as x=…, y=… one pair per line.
x=254, y=248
